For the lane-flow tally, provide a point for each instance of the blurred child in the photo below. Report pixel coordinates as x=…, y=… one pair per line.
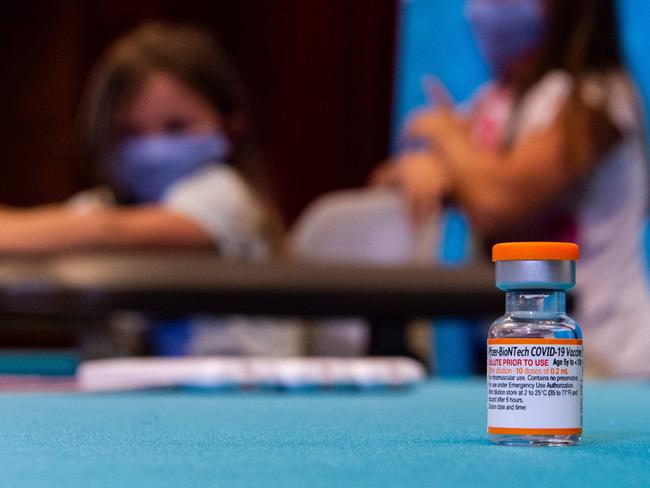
x=552, y=149
x=164, y=127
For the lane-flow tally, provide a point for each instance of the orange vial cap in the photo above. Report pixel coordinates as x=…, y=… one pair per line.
x=535, y=251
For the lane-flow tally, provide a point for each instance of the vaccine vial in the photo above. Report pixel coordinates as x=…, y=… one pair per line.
x=534, y=351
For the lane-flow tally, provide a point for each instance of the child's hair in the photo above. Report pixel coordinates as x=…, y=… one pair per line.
x=190, y=55
x=582, y=39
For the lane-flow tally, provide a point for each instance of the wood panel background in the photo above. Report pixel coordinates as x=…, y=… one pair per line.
x=318, y=74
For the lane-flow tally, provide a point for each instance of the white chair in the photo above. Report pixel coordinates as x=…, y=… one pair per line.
x=368, y=226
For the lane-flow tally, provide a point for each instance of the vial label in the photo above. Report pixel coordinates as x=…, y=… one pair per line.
x=535, y=386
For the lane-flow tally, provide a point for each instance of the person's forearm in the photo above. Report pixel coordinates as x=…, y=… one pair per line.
x=58, y=229
x=477, y=176
x=153, y=227
x=497, y=191
x=49, y=229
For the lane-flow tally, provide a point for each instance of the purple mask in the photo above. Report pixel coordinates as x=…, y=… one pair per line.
x=506, y=29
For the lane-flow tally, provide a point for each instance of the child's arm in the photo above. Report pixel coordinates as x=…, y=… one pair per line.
x=501, y=190
x=58, y=228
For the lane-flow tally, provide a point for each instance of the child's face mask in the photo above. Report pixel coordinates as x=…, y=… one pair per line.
x=506, y=29
x=144, y=167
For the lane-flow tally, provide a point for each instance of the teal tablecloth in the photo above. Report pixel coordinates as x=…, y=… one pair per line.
x=432, y=435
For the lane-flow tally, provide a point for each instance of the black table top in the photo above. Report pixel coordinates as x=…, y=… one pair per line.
x=173, y=283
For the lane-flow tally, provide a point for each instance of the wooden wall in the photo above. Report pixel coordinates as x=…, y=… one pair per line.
x=318, y=73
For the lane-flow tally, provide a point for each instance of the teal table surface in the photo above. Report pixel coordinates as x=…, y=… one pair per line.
x=431, y=435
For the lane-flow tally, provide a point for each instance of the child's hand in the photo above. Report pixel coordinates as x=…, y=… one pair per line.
x=432, y=122
x=420, y=170
x=425, y=181
x=422, y=177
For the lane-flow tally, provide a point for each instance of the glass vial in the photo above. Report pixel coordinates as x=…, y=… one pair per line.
x=535, y=354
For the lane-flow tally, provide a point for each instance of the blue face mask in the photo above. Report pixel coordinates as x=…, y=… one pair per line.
x=506, y=30
x=145, y=167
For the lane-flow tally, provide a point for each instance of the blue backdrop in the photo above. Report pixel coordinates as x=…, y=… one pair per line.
x=434, y=38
